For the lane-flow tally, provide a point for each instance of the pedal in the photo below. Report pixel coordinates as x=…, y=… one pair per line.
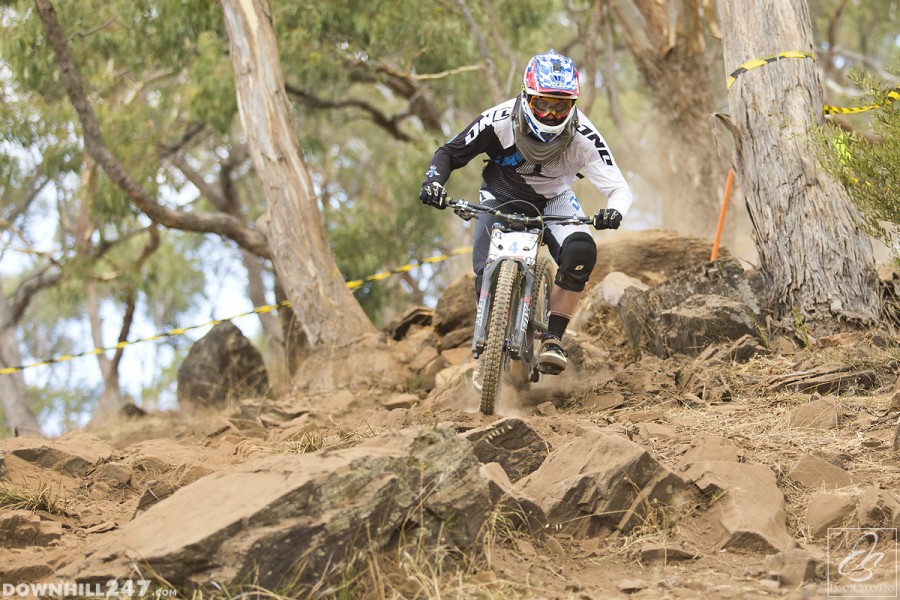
x=549, y=369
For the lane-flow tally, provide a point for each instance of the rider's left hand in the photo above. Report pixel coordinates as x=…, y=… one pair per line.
x=607, y=218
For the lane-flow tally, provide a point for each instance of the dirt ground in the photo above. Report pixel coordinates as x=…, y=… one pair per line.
x=832, y=404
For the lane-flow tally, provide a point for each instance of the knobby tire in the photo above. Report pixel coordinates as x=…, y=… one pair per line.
x=540, y=305
x=495, y=357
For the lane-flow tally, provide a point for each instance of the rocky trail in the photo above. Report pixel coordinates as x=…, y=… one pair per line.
x=693, y=450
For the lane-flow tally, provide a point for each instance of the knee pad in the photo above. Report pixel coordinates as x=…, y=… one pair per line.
x=577, y=257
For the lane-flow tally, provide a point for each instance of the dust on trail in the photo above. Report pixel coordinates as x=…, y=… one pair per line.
x=702, y=422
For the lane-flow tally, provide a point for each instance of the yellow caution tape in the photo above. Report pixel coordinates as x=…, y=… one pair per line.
x=759, y=62
x=827, y=109
x=405, y=268
x=258, y=310
x=894, y=94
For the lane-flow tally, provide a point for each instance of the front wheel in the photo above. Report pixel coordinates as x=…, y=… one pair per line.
x=495, y=355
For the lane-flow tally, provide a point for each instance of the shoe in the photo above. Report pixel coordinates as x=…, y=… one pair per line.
x=552, y=359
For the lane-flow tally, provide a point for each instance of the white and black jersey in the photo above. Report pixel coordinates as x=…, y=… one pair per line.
x=508, y=174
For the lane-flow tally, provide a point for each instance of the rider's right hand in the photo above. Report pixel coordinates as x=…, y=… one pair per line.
x=434, y=194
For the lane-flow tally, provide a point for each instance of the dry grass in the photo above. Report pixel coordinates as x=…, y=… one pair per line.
x=44, y=497
x=757, y=421
x=313, y=440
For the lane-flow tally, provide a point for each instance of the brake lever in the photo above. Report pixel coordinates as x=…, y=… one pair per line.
x=463, y=211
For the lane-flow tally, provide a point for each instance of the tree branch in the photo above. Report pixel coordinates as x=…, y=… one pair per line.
x=590, y=57
x=830, y=69
x=211, y=193
x=492, y=80
x=389, y=124
x=505, y=50
x=217, y=223
x=29, y=288
x=19, y=206
x=147, y=251
x=405, y=85
x=192, y=131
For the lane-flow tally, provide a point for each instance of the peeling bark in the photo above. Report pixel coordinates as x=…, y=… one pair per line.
x=306, y=268
x=814, y=258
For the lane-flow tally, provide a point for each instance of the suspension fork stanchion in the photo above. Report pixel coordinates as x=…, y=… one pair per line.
x=523, y=311
x=484, y=308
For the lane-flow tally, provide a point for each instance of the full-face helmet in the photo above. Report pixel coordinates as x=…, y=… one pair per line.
x=550, y=89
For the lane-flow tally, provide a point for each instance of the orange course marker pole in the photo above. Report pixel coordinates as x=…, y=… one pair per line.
x=715, y=250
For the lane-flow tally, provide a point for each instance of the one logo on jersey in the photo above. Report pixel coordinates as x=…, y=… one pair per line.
x=574, y=202
x=510, y=161
x=484, y=122
x=602, y=150
x=432, y=172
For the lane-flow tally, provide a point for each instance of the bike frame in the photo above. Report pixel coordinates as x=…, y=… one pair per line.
x=520, y=245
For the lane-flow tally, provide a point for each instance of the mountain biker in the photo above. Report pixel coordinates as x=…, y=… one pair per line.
x=536, y=144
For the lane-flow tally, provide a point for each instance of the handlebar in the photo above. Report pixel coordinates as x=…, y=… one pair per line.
x=468, y=210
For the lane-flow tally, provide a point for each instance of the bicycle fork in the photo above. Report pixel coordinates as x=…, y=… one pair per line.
x=514, y=344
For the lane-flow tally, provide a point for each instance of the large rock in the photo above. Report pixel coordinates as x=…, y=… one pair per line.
x=454, y=315
x=21, y=528
x=651, y=256
x=222, y=366
x=708, y=447
x=709, y=304
x=747, y=505
x=605, y=294
x=368, y=362
x=829, y=510
x=589, y=486
x=289, y=517
x=510, y=443
x=876, y=508
x=814, y=472
x=514, y=508
x=817, y=414
x=73, y=454
x=794, y=567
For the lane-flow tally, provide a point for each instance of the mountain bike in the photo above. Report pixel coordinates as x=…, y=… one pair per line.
x=514, y=300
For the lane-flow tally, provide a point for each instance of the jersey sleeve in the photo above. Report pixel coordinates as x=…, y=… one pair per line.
x=603, y=171
x=479, y=137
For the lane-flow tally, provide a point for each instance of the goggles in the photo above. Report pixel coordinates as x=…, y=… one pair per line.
x=550, y=110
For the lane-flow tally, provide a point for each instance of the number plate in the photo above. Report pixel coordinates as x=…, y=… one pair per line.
x=513, y=244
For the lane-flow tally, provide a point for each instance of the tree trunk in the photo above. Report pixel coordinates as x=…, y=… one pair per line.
x=327, y=311
x=814, y=258
x=667, y=41
x=19, y=416
x=95, y=144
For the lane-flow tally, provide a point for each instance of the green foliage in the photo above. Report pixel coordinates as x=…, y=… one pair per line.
x=870, y=172
x=159, y=393
x=210, y=84
x=64, y=403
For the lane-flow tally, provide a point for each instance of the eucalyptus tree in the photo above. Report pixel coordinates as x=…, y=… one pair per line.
x=373, y=86
x=673, y=47
x=93, y=220
x=816, y=262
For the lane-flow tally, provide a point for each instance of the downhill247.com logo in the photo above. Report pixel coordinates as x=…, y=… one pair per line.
x=130, y=588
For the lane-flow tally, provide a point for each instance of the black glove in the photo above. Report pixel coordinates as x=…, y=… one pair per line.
x=434, y=195
x=607, y=218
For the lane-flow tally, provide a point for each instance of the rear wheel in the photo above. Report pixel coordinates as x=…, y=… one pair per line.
x=495, y=356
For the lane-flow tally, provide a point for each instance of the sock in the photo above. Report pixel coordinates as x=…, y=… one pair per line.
x=556, y=326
